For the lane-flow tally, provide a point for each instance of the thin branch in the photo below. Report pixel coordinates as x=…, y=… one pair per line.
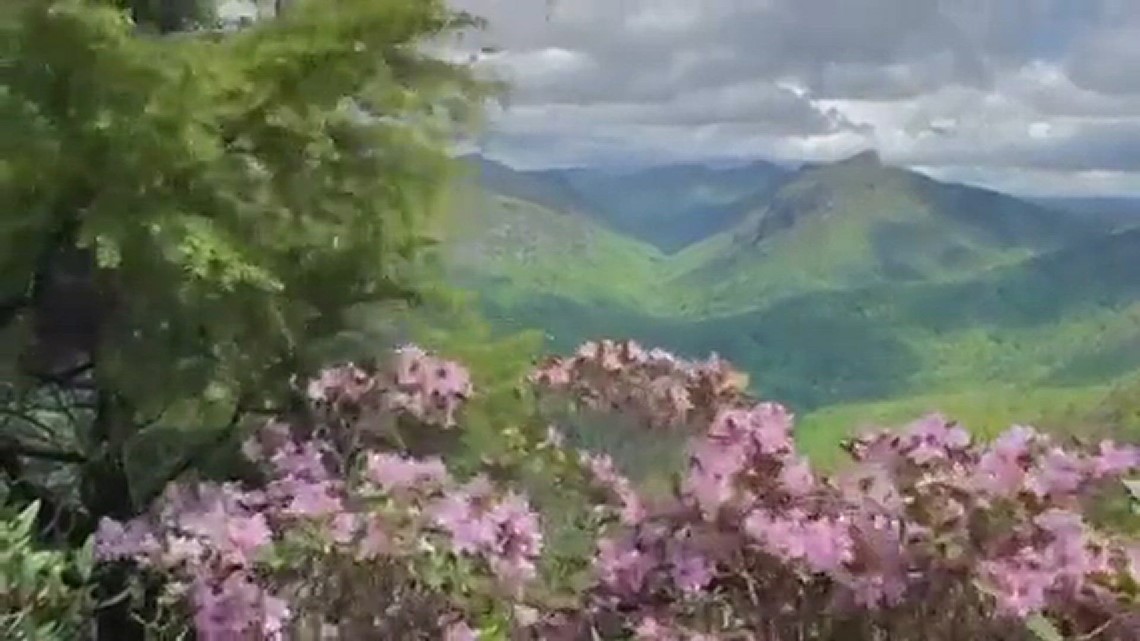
x=67, y=377
x=1099, y=630
x=26, y=418
x=42, y=453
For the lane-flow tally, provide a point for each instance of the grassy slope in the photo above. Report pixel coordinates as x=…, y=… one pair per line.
x=1063, y=320
x=834, y=227
x=985, y=412
x=517, y=250
x=989, y=339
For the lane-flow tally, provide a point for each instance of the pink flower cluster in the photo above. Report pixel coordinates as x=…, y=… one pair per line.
x=208, y=539
x=653, y=384
x=413, y=383
x=215, y=542
x=502, y=530
x=753, y=545
x=922, y=511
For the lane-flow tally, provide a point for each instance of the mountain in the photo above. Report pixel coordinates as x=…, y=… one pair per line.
x=1062, y=319
x=858, y=222
x=549, y=189
x=1122, y=212
x=843, y=283
x=512, y=249
x=667, y=206
x=672, y=206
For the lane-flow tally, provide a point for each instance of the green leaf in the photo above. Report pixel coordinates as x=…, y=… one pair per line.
x=1043, y=628
x=26, y=521
x=85, y=557
x=1133, y=487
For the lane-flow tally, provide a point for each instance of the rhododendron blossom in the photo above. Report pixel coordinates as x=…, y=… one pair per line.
x=753, y=543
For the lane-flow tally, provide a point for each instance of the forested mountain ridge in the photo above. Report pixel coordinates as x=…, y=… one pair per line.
x=668, y=206
x=843, y=282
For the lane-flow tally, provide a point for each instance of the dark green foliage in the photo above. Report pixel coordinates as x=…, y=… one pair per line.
x=184, y=217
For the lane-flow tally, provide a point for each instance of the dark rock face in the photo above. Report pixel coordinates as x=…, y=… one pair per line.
x=786, y=210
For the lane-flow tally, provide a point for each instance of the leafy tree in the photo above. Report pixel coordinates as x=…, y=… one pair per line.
x=183, y=217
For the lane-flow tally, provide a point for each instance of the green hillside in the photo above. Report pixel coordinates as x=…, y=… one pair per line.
x=514, y=250
x=830, y=348
x=858, y=222
x=985, y=411
x=550, y=188
x=853, y=289
x=1119, y=212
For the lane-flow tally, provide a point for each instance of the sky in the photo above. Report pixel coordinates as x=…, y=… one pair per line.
x=1035, y=97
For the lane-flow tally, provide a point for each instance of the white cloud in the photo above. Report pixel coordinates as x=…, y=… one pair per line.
x=1021, y=91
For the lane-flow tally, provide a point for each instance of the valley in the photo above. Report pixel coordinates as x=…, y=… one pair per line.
x=843, y=288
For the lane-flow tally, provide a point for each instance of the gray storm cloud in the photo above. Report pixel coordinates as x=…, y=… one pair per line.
x=1012, y=85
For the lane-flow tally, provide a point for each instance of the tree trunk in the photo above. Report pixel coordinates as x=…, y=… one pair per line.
x=106, y=492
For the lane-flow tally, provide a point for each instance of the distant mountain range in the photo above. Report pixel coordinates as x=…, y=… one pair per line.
x=668, y=206
x=832, y=283
x=1120, y=211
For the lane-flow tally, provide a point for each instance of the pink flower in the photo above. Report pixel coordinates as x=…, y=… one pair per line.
x=235, y=608
x=601, y=467
x=650, y=629
x=394, y=472
x=823, y=544
x=249, y=534
x=933, y=438
x=712, y=473
x=310, y=499
x=621, y=567
x=304, y=460
x=1019, y=587
x=827, y=544
x=376, y=541
x=469, y=531
x=1115, y=460
x=459, y=631
x=796, y=477
x=116, y=541
x=1001, y=470
x=343, y=382
x=1058, y=472
x=691, y=572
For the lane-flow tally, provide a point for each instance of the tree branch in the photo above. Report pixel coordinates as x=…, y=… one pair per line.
x=13, y=448
x=10, y=414
x=65, y=378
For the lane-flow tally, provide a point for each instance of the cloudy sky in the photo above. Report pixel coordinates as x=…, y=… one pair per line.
x=1030, y=96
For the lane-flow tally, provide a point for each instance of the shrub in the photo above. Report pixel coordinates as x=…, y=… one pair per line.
x=928, y=534
x=42, y=591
